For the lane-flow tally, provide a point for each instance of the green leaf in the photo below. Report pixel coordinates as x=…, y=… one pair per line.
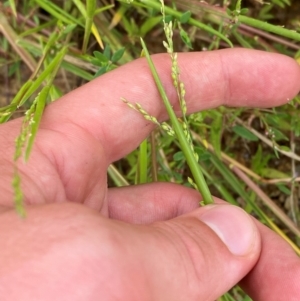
x=168, y=18
x=41, y=101
x=238, y=5
x=185, y=17
x=278, y=120
x=179, y=156
x=69, y=28
x=117, y=55
x=18, y=194
x=284, y=148
x=260, y=160
x=149, y=24
x=185, y=38
x=229, y=12
x=203, y=153
x=101, y=71
x=273, y=173
x=12, y=4
x=77, y=71
x=216, y=133
x=256, y=160
x=284, y=189
x=57, y=12
x=55, y=93
x=107, y=51
x=96, y=62
x=296, y=124
x=142, y=176
x=244, y=133
x=101, y=57
x=244, y=11
x=279, y=135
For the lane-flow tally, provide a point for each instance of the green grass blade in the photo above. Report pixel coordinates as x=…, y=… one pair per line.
x=143, y=163
x=88, y=13
x=12, y=5
x=41, y=101
x=18, y=194
x=57, y=12
x=77, y=71
x=16, y=100
x=226, y=195
x=36, y=29
x=116, y=176
x=40, y=105
x=90, y=9
x=37, y=83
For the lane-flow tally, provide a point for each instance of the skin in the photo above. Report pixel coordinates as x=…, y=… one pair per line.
x=82, y=241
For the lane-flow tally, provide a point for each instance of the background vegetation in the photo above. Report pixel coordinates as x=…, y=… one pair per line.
x=250, y=157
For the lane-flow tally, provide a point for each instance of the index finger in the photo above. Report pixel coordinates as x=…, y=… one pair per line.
x=234, y=77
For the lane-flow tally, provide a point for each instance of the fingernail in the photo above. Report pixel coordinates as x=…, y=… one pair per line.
x=233, y=225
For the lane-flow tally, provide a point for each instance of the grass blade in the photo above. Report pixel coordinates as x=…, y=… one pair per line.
x=58, y=12
x=88, y=13
x=116, y=176
x=40, y=105
x=143, y=163
x=13, y=38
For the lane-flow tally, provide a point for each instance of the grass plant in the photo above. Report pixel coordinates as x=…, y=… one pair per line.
x=249, y=157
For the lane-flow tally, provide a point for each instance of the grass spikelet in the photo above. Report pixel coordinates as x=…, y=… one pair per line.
x=137, y=107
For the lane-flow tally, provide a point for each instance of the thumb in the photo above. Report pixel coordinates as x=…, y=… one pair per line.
x=197, y=256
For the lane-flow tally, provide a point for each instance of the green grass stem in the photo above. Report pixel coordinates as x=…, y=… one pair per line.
x=90, y=10
x=116, y=176
x=143, y=162
x=270, y=28
x=188, y=153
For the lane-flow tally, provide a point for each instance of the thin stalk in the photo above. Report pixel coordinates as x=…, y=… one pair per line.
x=90, y=9
x=226, y=195
x=143, y=162
x=116, y=176
x=12, y=38
x=270, y=28
x=153, y=157
x=188, y=153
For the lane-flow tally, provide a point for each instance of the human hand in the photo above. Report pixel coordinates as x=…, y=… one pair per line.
x=64, y=251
